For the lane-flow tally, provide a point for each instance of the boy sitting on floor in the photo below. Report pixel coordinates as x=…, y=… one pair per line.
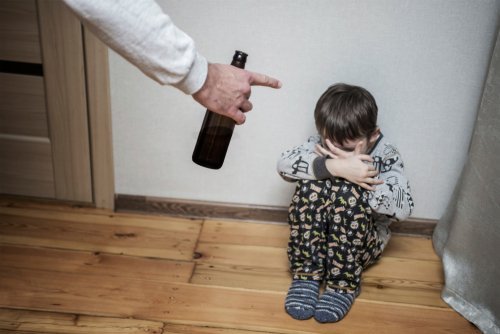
x=350, y=182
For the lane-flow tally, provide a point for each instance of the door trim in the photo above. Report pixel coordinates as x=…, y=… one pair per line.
x=64, y=76
x=99, y=109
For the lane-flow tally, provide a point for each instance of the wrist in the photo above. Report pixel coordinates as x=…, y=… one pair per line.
x=333, y=167
x=319, y=168
x=196, y=77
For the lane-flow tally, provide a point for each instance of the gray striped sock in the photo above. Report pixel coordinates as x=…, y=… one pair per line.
x=333, y=306
x=301, y=299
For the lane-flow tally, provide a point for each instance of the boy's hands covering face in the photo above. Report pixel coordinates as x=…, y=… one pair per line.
x=351, y=166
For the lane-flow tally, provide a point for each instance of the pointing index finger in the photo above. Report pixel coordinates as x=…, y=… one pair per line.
x=258, y=79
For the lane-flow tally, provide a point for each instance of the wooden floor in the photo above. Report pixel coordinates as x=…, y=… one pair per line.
x=77, y=270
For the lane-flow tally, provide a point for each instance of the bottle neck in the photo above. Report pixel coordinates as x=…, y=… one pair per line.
x=238, y=64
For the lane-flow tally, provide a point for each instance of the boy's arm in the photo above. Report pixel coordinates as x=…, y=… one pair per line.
x=393, y=197
x=351, y=166
x=297, y=163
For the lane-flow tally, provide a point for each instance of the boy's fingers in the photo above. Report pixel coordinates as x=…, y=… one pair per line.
x=365, y=157
x=319, y=150
x=370, y=183
x=336, y=150
x=377, y=181
x=366, y=186
x=258, y=79
x=373, y=181
x=330, y=145
x=324, y=152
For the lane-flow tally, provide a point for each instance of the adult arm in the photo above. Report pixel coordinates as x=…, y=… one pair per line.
x=143, y=34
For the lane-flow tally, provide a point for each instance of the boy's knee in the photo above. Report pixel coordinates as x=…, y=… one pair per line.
x=311, y=201
x=347, y=193
x=313, y=190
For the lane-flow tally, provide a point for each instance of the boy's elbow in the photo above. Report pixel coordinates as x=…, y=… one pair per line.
x=282, y=166
x=287, y=178
x=281, y=169
x=405, y=213
x=402, y=217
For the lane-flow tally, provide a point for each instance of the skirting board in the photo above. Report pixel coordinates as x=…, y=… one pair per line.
x=275, y=214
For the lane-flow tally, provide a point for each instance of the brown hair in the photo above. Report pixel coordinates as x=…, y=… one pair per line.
x=346, y=112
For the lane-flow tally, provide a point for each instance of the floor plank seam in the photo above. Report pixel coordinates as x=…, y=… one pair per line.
x=196, y=255
x=94, y=252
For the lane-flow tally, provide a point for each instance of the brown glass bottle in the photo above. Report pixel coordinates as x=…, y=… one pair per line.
x=216, y=131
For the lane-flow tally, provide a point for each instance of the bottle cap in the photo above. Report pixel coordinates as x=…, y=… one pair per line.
x=240, y=56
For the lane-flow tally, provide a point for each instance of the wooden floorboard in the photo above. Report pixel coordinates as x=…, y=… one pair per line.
x=22, y=321
x=100, y=264
x=77, y=270
x=185, y=329
x=163, y=238
x=202, y=305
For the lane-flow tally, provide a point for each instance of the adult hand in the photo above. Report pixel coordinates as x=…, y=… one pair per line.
x=227, y=89
x=351, y=166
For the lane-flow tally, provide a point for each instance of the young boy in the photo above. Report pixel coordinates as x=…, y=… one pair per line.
x=350, y=183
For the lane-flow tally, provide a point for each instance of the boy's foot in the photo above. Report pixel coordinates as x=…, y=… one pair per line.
x=333, y=306
x=301, y=299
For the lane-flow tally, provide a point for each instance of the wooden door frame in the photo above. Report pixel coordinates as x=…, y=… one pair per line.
x=76, y=73
x=66, y=100
x=99, y=109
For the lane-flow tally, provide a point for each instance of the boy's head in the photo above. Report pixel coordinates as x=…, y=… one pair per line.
x=345, y=115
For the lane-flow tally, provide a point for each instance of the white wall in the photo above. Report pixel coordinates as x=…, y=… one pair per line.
x=425, y=62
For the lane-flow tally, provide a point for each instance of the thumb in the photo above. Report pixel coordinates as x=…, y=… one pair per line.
x=258, y=79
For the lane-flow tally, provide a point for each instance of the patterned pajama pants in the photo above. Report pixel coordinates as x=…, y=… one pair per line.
x=332, y=235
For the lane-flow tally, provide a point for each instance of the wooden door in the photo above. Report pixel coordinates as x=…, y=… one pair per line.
x=55, y=124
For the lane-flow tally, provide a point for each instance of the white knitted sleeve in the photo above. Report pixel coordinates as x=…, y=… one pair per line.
x=143, y=34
